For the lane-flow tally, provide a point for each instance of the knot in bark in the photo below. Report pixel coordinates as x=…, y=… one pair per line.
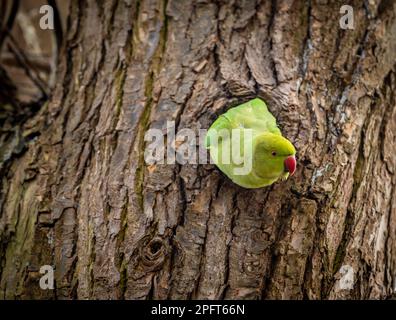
x=152, y=253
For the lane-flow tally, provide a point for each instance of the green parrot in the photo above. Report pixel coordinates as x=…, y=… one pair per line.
x=247, y=145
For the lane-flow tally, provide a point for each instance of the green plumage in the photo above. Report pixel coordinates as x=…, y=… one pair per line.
x=268, y=148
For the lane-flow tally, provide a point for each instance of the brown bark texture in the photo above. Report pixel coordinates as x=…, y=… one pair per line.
x=77, y=194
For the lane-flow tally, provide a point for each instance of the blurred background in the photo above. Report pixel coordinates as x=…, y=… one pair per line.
x=27, y=52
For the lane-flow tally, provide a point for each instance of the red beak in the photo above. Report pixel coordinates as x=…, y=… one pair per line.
x=290, y=164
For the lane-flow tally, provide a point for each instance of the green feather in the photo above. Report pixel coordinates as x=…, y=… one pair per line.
x=266, y=139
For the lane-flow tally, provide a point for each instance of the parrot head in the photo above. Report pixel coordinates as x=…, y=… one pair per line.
x=274, y=157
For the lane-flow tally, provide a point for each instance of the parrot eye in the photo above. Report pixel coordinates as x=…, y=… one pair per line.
x=273, y=153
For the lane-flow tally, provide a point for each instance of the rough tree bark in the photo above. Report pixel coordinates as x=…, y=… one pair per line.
x=81, y=198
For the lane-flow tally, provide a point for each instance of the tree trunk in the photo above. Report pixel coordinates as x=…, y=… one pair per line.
x=80, y=196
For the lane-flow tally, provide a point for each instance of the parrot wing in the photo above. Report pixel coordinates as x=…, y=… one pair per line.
x=253, y=114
